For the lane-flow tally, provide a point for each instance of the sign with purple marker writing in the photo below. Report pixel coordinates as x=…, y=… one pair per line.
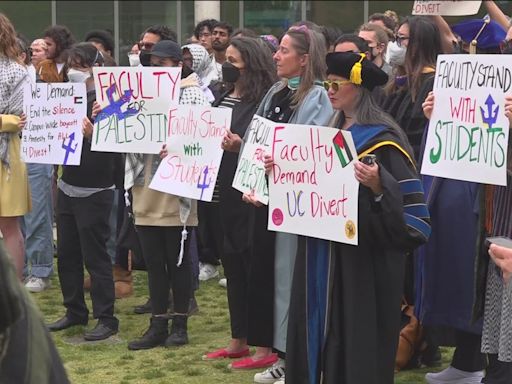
x=468, y=132
x=312, y=187
x=194, y=151
x=136, y=104
x=53, y=133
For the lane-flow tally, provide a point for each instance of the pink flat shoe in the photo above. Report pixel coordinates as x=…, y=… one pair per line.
x=224, y=354
x=250, y=363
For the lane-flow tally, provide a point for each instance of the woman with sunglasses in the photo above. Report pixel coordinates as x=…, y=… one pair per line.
x=298, y=98
x=344, y=312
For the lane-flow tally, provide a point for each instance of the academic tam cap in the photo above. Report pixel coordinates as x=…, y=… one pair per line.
x=490, y=36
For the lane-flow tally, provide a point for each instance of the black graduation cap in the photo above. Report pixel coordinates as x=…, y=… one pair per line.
x=356, y=68
x=480, y=33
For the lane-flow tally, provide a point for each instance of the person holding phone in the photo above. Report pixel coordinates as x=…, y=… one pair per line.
x=502, y=257
x=343, y=296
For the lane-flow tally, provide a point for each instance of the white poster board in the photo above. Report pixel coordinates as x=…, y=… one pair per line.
x=194, y=152
x=468, y=132
x=250, y=173
x=135, y=102
x=53, y=133
x=313, y=189
x=446, y=7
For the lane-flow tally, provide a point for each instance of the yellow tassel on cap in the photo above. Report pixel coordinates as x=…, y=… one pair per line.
x=355, y=72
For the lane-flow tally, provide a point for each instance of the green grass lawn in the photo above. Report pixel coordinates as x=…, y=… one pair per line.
x=111, y=362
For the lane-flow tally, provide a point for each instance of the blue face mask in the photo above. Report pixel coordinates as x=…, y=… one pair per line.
x=294, y=82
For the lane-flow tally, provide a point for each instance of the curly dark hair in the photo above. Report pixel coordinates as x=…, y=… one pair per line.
x=163, y=31
x=62, y=37
x=208, y=23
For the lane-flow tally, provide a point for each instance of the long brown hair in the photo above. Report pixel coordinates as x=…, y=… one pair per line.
x=9, y=47
x=310, y=42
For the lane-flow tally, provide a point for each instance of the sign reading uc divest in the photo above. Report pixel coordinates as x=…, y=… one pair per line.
x=312, y=187
x=136, y=104
x=53, y=133
x=468, y=132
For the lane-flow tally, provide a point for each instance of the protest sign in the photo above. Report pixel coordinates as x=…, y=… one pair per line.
x=468, y=131
x=194, y=151
x=53, y=133
x=250, y=172
x=313, y=189
x=135, y=107
x=445, y=7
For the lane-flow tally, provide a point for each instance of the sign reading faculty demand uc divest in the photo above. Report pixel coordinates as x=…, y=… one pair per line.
x=194, y=151
x=136, y=104
x=53, y=133
x=313, y=189
x=468, y=131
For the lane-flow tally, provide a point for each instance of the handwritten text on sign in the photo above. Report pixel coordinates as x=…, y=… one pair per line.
x=313, y=190
x=53, y=133
x=194, y=146
x=136, y=103
x=250, y=172
x=468, y=131
x=446, y=7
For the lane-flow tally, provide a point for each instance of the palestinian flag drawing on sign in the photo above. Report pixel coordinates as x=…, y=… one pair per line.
x=342, y=149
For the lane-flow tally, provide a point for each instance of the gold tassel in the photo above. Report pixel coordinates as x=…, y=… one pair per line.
x=355, y=72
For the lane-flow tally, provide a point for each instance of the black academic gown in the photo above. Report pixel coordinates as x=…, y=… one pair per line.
x=343, y=328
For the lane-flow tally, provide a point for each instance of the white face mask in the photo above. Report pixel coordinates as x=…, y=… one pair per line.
x=134, y=59
x=76, y=76
x=395, y=55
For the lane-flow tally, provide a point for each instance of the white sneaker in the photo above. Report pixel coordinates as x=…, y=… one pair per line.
x=223, y=282
x=207, y=271
x=454, y=376
x=37, y=284
x=272, y=375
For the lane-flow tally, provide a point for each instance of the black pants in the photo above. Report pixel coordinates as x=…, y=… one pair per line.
x=467, y=356
x=209, y=235
x=236, y=258
x=82, y=232
x=161, y=249
x=497, y=372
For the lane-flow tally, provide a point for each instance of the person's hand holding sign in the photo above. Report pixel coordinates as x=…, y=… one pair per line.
x=250, y=199
x=268, y=163
x=22, y=122
x=428, y=105
x=87, y=128
x=96, y=109
x=508, y=109
x=232, y=142
x=163, y=152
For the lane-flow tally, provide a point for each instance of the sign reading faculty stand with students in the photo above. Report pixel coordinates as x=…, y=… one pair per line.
x=468, y=131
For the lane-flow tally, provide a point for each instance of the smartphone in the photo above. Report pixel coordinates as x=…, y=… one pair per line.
x=502, y=241
x=369, y=159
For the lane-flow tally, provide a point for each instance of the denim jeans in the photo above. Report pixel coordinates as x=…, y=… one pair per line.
x=37, y=225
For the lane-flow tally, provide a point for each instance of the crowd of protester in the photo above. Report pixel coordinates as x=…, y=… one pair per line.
x=315, y=311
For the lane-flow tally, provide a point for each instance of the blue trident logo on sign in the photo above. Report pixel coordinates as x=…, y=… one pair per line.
x=491, y=117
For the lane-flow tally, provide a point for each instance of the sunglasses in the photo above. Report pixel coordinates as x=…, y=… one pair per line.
x=400, y=39
x=148, y=46
x=334, y=84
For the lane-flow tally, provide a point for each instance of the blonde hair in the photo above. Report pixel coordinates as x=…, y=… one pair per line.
x=41, y=43
x=310, y=42
x=9, y=47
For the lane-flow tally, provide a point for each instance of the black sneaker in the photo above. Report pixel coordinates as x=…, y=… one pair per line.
x=144, y=308
x=101, y=331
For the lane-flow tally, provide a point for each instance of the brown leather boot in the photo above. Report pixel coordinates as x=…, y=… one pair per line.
x=123, y=282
